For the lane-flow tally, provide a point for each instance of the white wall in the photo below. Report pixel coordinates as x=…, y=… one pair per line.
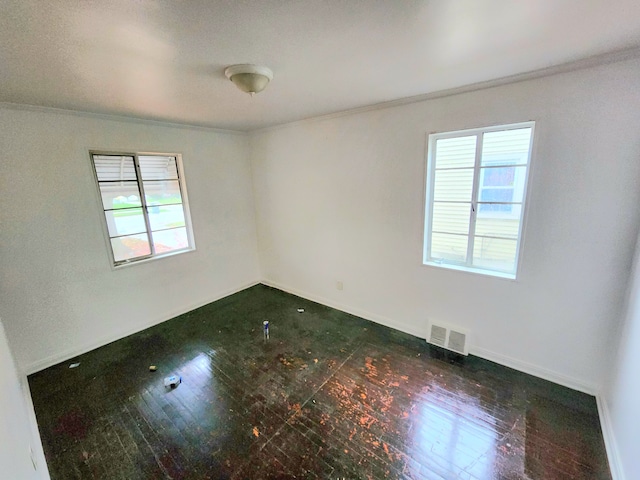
x=17, y=439
x=342, y=199
x=622, y=396
x=60, y=295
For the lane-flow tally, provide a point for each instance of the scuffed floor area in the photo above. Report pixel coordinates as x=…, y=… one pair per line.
x=327, y=396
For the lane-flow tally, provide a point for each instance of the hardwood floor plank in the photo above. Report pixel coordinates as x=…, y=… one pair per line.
x=329, y=395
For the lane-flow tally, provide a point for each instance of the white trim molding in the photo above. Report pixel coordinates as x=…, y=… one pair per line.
x=116, y=118
x=36, y=445
x=387, y=322
x=504, y=360
x=610, y=444
x=535, y=370
x=589, y=62
x=74, y=352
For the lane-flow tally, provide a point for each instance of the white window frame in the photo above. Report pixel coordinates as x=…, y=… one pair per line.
x=429, y=192
x=185, y=206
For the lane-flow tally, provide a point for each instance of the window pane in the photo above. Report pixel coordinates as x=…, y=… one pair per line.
x=161, y=217
x=449, y=247
x=157, y=167
x=168, y=240
x=495, y=254
x=453, y=185
x=502, y=184
x=130, y=247
x=120, y=195
x=451, y=217
x=162, y=192
x=498, y=177
x=508, y=146
x=495, y=187
x=499, y=224
x=456, y=152
x=125, y=222
x=496, y=195
x=114, y=167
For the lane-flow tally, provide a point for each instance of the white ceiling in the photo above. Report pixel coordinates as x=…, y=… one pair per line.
x=165, y=59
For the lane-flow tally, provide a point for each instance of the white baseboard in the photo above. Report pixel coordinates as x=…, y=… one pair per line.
x=74, y=352
x=42, y=468
x=521, y=366
x=555, y=377
x=387, y=322
x=615, y=465
x=534, y=370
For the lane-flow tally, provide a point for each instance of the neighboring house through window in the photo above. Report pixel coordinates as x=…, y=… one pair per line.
x=476, y=186
x=145, y=205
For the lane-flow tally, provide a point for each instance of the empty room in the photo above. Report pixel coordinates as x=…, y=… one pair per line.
x=320, y=239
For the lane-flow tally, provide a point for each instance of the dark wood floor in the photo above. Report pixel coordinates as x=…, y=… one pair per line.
x=328, y=396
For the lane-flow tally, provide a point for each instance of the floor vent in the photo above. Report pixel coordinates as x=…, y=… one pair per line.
x=452, y=338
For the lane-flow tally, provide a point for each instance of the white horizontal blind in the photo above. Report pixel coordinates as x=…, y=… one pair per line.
x=475, y=197
x=144, y=209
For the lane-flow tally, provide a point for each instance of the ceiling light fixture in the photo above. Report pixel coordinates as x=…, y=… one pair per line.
x=249, y=78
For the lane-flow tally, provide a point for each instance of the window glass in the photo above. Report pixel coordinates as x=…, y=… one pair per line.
x=144, y=205
x=475, y=202
x=158, y=167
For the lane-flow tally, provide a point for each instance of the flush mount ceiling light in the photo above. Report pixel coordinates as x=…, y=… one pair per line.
x=249, y=78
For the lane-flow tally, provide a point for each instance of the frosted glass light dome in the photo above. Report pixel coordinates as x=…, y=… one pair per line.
x=251, y=79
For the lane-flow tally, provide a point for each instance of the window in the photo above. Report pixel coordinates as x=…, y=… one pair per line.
x=476, y=185
x=144, y=202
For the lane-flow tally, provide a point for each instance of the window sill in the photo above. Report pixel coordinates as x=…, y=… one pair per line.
x=152, y=259
x=477, y=271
